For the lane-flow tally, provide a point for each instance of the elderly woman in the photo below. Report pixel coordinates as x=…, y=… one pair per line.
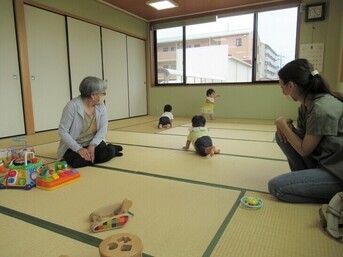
x=83, y=127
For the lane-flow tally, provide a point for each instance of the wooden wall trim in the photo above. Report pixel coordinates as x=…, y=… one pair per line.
x=24, y=66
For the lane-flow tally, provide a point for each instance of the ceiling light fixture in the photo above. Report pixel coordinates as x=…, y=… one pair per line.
x=162, y=4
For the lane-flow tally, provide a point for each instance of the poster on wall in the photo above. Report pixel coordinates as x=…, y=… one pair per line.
x=314, y=53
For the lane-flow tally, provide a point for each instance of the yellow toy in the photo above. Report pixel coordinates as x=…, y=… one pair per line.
x=252, y=202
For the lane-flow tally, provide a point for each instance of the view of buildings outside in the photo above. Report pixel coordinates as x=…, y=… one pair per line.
x=222, y=51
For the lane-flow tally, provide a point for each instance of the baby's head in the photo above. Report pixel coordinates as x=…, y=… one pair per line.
x=198, y=121
x=167, y=108
x=209, y=92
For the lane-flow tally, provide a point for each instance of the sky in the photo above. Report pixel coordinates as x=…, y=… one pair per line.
x=276, y=28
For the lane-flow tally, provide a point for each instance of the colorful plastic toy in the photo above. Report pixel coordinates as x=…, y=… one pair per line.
x=111, y=217
x=22, y=172
x=252, y=202
x=60, y=175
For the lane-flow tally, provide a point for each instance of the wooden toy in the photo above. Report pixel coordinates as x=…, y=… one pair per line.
x=22, y=172
x=111, y=217
x=60, y=175
x=121, y=245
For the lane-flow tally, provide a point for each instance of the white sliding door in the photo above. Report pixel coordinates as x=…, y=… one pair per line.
x=85, y=52
x=11, y=107
x=137, y=76
x=115, y=73
x=47, y=47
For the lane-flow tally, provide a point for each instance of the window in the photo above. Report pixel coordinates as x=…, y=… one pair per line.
x=226, y=51
x=277, y=42
x=238, y=41
x=171, y=37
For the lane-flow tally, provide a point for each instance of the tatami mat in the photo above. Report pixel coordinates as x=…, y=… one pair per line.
x=47, y=150
x=267, y=150
x=19, y=238
x=183, y=204
x=264, y=150
x=172, y=218
x=127, y=123
x=150, y=126
x=31, y=140
x=277, y=229
x=267, y=136
x=238, y=126
x=236, y=171
x=223, y=170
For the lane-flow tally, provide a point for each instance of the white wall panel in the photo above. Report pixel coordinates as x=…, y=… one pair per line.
x=48, y=60
x=115, y=73
x=11, y=107
x=137, y=76
x=84, y=51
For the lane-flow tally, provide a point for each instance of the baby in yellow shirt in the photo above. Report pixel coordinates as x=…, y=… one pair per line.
x=199, y=137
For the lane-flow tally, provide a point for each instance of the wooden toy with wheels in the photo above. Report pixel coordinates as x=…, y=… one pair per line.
x=111, y=217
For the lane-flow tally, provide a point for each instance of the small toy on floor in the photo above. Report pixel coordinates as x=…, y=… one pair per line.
x=121, y=245
x=60, y=175
x=252, y=202
x=111, y=217
x=22, y=172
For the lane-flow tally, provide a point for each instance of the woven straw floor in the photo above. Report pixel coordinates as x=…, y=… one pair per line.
x=184, y=205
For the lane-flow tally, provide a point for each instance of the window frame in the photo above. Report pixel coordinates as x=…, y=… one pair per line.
x=254, y=52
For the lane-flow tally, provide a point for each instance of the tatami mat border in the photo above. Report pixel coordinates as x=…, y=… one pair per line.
x=227, y=154
x=176, y=149
x=87, y=239
x=133, y=125
x=81, y=237
x=254, y=130
x=224, y=138
x=176, y=179
x=223, y=226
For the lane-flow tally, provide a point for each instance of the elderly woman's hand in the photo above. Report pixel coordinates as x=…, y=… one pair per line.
x=84, y=153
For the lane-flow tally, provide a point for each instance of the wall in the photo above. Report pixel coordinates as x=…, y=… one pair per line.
x=260, y=101
x=245, y=102
x=100, y=13
x=236, y=101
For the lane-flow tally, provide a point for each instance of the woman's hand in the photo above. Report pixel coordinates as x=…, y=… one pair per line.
x=281, y=123
x=84, y=153
x=91, y=151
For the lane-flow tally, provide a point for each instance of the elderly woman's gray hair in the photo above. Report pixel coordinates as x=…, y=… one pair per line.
x=92, y=85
